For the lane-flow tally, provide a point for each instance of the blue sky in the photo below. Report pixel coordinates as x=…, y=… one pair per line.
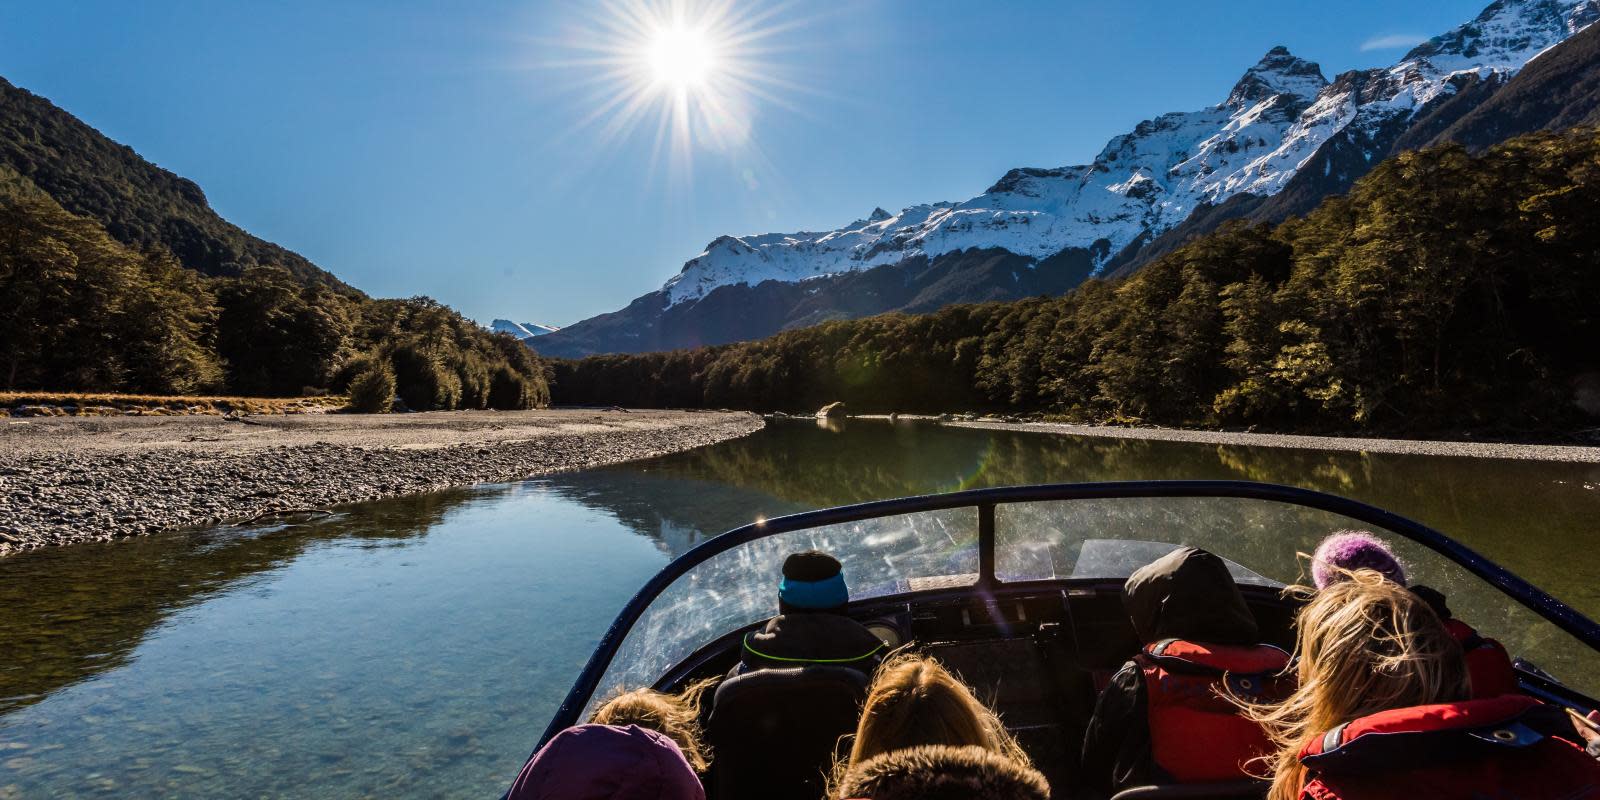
x=438, y=148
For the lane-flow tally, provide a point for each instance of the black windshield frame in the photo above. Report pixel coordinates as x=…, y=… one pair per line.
x=985, y=500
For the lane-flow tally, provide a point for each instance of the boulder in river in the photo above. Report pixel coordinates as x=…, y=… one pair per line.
x=831, y=411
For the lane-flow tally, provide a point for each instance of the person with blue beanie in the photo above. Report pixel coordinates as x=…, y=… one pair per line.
x=811, y=627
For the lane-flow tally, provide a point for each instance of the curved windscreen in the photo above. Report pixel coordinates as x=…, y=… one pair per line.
x=883, y=556
x=1265, y=543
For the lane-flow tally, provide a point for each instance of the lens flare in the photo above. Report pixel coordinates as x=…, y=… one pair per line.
x=692, y=72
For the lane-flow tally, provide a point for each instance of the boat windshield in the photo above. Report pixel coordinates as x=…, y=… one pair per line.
x=1081, y=540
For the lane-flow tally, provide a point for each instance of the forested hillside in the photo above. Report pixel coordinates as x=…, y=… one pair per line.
x=138, y=203
x=81, y=311
x=1446, y=291
x=115, y=275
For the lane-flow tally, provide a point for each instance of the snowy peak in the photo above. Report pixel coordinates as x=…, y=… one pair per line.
x=521, y=330
x=1279, y=72
x=1506, y=35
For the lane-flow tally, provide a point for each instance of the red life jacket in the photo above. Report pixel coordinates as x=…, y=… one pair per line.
x=1487, y=661
x=1507, y=747
x=1196, y=734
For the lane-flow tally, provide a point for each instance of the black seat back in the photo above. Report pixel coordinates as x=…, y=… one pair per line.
x=774, y=733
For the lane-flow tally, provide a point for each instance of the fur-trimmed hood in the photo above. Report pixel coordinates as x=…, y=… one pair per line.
x=943, y=773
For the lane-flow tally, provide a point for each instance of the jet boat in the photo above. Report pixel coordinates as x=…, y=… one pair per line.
x=1019, y=591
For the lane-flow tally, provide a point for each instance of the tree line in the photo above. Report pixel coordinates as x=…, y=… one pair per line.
x=80, y=311
x=1445, y=291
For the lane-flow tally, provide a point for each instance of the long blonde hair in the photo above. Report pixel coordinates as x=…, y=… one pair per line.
x=677, y=716
x=1366, y=644
x=915, y=701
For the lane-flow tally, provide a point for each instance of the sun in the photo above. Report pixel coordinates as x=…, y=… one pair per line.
x=694, y=74
x=681, y=58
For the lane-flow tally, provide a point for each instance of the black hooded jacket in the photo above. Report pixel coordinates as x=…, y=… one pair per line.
x=1186, y=594
x=813, y=637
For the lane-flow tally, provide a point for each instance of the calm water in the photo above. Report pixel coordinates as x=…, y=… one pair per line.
x=416, y=647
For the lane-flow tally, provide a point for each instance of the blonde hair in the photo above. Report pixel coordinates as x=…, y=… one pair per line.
x=1365, y=644
x=915, y=701
x=677, y=716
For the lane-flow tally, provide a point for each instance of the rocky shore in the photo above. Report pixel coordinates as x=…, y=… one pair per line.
x=65, y=479
x=1419, y=447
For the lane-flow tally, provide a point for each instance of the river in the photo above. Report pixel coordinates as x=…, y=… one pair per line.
x=417, y=647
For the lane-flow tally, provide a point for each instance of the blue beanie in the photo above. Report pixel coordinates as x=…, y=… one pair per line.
x=812, y=581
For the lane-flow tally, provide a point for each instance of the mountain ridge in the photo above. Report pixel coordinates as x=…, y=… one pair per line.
x=1279, y=119
x=139, y=203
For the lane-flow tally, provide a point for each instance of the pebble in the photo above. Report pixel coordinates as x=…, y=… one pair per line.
x=84, y=496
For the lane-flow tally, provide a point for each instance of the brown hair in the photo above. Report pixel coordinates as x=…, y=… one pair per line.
x=1365, y=645
x=915, y=701
x=675, y=715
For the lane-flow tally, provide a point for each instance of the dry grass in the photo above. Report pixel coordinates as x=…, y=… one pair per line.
x=84, y=404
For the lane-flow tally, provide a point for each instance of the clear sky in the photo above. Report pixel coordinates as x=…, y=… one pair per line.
x=462, y=150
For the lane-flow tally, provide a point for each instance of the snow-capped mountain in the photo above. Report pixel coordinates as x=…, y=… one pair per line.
x=1149, y=179
x=521, y=330
x=1274, y=122
x=1507, y=35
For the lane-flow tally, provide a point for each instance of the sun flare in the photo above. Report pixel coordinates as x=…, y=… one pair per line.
x=682, y=58
x=695, y=73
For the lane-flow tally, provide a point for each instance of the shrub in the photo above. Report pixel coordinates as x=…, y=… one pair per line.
x=509, y=390
x=372, y=391
x=422, y=382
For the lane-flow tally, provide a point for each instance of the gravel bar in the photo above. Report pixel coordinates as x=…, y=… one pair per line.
x=1530, y=452
x=69, y=479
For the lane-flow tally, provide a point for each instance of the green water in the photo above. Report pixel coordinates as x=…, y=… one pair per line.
x=416, y=647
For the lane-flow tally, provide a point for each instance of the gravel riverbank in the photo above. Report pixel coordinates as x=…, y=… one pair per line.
x=65, y=479
x=1535, y=452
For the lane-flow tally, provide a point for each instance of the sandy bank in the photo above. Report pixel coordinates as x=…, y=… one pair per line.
x=73, y=479
x=1534, y=452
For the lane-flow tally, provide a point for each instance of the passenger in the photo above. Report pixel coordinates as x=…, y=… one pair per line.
x=1382, y=712
x=1166, y=716
x=811, y=627
x=915, y=701
x=1488, y=663
x=676, y=715
x=943, y=773
x=606, y=762
x=1344, y=552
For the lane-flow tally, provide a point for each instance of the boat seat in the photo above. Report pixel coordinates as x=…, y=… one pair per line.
x=774, y=733
x=1226, y=790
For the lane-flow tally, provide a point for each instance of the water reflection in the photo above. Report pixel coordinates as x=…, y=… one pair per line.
x=74, y=612
x=402, y=650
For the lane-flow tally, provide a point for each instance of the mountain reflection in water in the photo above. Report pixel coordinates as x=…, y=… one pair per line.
x=415, y=647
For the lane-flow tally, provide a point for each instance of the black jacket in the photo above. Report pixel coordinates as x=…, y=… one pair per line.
x=1186, y=594
x=797, y=639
